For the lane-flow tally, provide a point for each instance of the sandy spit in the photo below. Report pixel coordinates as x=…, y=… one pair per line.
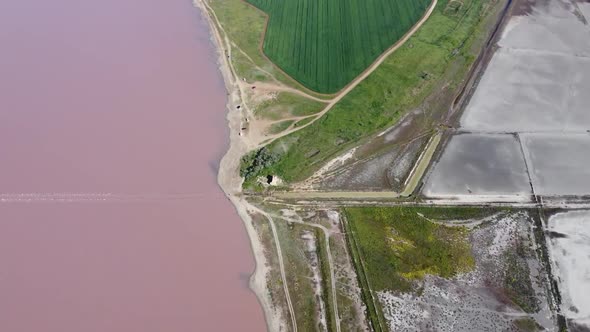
x=228, y=175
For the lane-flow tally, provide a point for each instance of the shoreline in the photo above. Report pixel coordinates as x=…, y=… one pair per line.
x=228, y=175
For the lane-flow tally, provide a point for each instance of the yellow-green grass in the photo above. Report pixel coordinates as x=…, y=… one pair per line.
x=325, y=44
x=400, y=244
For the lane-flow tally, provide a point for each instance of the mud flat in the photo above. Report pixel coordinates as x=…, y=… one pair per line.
x=384, y=171
x=570, y=243
x=479, y=164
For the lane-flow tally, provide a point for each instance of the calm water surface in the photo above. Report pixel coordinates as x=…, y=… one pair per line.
x=111, y=126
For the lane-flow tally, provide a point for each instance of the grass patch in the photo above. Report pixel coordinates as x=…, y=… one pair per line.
x=402, y=83
x=276, y=128
x=397, y=245
x=374, y=311
x=287, y=104
x=244, y=25
x=245, y=68
x=304, y=122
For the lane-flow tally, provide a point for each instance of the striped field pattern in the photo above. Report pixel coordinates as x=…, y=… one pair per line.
x=324, y=44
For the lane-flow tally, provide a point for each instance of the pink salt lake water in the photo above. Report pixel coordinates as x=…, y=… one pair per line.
x=112, y=122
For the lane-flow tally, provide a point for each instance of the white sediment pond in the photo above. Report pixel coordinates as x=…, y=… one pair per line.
x=558, y=163
x=570, y=248
x=480, y=164
x=527, y=90
x=536, y=89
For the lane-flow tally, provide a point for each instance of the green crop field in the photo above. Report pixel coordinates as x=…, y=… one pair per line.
x=324, y=44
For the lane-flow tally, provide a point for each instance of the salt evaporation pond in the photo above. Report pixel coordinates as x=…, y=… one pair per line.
x=558, y=163
x=480, y=164
x=570, y=248
x=525, y=90
x=535, y=88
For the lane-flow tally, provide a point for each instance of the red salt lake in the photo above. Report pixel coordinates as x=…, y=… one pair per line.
x=112, y=122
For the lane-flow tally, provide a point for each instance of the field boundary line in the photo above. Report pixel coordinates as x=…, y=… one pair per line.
x=421, y=166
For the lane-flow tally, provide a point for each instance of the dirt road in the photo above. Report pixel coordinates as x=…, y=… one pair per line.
x=326, y=233
x=281, y=263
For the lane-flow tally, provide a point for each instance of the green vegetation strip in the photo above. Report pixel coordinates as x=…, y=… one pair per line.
x=375, y=316
x=442, y=50
x=325, y=44
x=304, y=122
x=421, y=166
x=357, y=195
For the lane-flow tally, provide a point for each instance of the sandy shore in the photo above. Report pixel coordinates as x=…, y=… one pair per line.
x=228, y=176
